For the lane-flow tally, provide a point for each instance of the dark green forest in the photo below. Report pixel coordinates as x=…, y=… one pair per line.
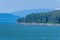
x=45, y=17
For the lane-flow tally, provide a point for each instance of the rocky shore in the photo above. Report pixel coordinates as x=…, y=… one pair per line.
x=46, y=24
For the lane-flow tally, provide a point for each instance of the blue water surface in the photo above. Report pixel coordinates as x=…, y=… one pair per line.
x=13, y=31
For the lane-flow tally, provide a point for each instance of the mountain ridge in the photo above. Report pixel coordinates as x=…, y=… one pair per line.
x=26, y=12
x=10, y=17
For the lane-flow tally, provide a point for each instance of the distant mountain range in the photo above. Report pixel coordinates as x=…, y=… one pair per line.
x=5, y=17
x=26, y=12
x=11, y=17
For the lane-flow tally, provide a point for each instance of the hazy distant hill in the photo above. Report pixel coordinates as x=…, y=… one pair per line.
x=5, y=17
x=11, y=17
x=26, y=12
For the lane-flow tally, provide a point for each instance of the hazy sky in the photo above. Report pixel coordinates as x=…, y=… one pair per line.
x=14, y=5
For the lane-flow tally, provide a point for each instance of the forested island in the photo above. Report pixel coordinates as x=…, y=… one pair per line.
x=52, y=17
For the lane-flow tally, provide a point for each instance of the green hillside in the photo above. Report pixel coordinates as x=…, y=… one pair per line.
x=46, y=17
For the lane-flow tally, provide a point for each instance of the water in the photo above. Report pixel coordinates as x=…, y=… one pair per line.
x=12, y=31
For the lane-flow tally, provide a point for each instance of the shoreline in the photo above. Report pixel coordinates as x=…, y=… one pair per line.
x=45, y=24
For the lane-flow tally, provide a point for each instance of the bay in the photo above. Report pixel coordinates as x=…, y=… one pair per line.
x=13, y=31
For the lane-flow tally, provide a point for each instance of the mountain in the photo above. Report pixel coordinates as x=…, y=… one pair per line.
x=6, y=17
x=26, y=12
x=11, y=17
x=46, y=17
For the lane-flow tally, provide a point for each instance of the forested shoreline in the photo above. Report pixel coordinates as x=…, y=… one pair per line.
x=45, y=17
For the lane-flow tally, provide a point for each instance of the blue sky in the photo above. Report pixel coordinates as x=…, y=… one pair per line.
x=15, y=5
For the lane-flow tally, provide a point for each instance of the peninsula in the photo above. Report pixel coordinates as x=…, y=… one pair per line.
x=51, y=18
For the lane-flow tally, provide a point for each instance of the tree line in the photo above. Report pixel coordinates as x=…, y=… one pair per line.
x=46, y=17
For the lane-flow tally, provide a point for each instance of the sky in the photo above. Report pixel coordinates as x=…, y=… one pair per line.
x=15, y=5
